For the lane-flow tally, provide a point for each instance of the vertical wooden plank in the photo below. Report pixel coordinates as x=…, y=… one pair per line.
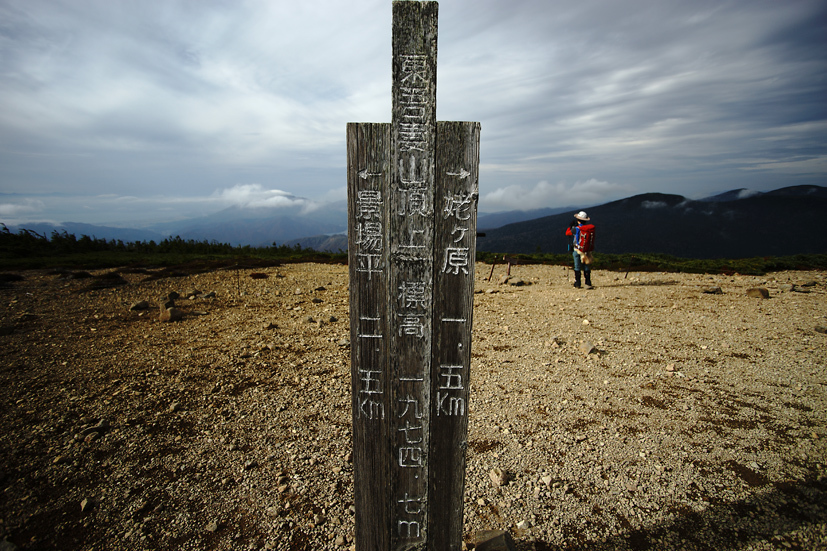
x=455, y=230
x=412, y=197
x=411, y=235
x=368, y=175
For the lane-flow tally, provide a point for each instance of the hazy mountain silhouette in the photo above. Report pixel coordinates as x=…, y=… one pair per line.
x=329, y=243
x=500, y=219
x=737, y=223
x=262, y=226
x=787, y=221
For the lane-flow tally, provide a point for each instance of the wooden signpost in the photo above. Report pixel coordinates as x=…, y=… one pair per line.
x=412, y=203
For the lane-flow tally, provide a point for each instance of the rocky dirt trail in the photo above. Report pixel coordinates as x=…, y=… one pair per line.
x=657, y=411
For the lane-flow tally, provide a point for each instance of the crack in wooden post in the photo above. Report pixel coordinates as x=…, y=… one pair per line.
x=412, y=203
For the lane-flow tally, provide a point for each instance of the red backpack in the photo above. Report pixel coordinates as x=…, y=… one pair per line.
x=585, y=238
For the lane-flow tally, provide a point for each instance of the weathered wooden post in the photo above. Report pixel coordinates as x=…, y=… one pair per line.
x=412, y=203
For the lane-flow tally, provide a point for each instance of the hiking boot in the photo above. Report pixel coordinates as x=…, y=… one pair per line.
x=576, y=279
x=588, y=279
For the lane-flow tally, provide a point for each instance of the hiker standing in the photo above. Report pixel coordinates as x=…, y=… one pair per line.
x=582, y=245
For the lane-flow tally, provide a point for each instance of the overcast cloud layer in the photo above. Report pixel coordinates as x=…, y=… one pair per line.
x=129, y=112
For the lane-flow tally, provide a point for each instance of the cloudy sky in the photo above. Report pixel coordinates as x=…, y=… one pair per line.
x=123, y=112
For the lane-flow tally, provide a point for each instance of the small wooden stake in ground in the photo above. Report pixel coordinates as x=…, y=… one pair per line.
x=412, y=202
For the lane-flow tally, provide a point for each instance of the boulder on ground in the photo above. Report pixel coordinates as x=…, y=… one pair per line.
x=171, y=314
x=758, y=292
x=494, y=540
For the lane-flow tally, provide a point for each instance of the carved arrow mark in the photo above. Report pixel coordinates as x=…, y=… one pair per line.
x=463, y=174
x=364, y=174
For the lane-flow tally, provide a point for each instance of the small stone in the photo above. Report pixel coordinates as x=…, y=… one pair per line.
x=713, y=291
x=670, y=368
x=494, y=540
x=333, y=319
x=758, y=292
x=174, y=407
x=212, y=527
x=786, y=287
x=310, y=319
x=586, y=322
x=140, y=305
x=498, y=476
x=85, y=505
x=523, y=525
x=340, y=541
x=272, y=511
x=317, y=301
x=171, y=314
x=821, y=329
x=546, y=480
x=298, y=291
x=587, y=348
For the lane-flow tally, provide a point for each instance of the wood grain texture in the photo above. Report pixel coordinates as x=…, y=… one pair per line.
x=412, y=200
x=457, y=192
x=368, y=173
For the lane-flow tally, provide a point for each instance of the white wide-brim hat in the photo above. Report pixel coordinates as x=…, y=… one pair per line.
x=582, y=216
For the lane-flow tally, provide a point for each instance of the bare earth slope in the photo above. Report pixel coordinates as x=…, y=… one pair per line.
x=644, y=414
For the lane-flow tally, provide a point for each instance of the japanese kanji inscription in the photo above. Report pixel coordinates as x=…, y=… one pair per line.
x=412, y=198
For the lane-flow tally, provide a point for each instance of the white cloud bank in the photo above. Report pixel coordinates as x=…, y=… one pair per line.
x=137, y=212
x=256, y=196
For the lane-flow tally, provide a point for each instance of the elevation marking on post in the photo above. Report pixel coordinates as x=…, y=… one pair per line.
x=412, y=206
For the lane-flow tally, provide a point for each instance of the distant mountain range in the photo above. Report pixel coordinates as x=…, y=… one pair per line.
x=262, y=226
x=254, y=226
x=737, y=223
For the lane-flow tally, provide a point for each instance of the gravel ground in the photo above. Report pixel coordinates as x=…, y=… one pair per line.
x=643, y=414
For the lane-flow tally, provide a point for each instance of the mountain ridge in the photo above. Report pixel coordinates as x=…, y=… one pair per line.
x=735, y=223
x=756, y=225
